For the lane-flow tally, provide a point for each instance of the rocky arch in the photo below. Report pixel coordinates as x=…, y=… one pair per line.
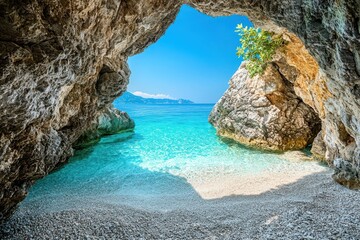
x=52, y=52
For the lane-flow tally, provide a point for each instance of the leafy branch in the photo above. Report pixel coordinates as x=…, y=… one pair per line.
x=257, y=47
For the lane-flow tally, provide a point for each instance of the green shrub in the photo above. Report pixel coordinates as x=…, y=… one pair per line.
x=257, y=47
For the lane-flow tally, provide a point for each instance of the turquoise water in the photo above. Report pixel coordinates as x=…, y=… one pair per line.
x=171, y=146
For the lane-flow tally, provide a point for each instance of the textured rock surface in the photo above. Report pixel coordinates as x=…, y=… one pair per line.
x=318, y=148
x=346, y=174
x=264, y=112
x=110, y=121
x=53, y=54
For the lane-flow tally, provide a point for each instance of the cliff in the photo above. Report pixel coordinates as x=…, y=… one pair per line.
x=63, y=62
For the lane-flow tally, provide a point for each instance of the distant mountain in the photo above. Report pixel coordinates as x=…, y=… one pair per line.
x=128, y=97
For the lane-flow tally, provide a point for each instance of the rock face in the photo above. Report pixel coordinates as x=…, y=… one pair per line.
x=63, y=62
x=264, y=112
x=318, y=148
x=110, y=121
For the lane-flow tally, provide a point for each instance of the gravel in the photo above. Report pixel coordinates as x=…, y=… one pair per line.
x=314, y=207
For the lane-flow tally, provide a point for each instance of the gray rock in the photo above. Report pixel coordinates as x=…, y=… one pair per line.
x=318, y=148
x=346, y=173
x=110, y=121
x=264, y=112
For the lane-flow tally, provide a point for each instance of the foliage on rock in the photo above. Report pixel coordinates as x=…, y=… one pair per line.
x=258, y=47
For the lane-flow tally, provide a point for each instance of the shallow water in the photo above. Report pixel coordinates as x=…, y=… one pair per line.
x=173, y=152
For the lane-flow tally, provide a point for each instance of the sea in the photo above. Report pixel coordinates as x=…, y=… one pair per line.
x=172, y=155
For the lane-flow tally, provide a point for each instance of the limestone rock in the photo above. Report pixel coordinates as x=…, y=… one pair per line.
x=110, y=121
x=346, y=173
x=264, y=112
x=318, y=148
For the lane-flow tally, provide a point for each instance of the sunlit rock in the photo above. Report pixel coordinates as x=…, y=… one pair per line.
x=264, y=112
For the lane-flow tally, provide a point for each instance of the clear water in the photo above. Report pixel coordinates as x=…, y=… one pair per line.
x=169, y=144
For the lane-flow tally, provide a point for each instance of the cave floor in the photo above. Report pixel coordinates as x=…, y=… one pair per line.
x=313, y=207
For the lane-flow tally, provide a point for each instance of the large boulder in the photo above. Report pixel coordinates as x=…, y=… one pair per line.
x=110, y=121
x=264, y=112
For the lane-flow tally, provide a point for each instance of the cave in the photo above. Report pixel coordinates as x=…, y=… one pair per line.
x=63, y=62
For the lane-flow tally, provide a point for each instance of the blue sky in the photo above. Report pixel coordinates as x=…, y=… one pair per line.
x=193, y=60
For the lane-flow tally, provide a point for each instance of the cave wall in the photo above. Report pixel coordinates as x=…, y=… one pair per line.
x=53, y=52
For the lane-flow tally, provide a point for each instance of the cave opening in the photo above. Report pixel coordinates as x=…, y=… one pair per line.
x=194, y=59
x=174, y=163
x=173, y=145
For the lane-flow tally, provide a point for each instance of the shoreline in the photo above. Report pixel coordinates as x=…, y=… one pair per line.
x=307, y=208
